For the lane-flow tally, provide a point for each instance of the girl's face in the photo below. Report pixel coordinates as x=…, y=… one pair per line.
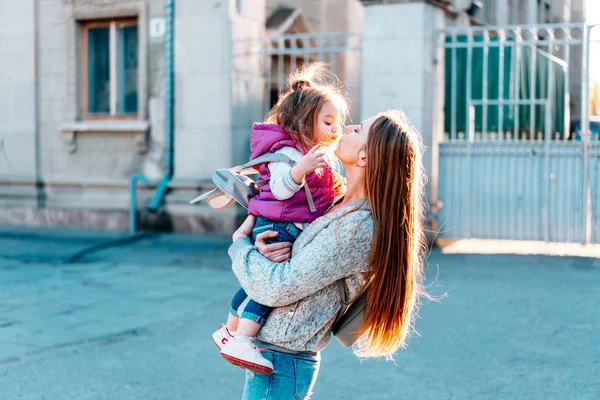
x=352, y=145
x=328, y=124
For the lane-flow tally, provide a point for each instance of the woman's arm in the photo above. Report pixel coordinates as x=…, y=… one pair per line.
x=276, y=252
x=335, y=252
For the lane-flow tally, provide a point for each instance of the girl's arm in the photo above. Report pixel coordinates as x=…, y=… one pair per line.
x=281, y=182
x=334, y=253
x=285, y=181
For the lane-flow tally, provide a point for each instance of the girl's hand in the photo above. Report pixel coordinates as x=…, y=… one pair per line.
x=276, y=252
x=312, y=160
x=245, y=230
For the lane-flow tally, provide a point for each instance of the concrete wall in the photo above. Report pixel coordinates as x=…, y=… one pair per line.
x=218, y=96
x=203, y=100
x=17, y=92
x=572, y=11
x=502, y=12
x=247, y=80
x=100, y=161
x=398, y=68
x=343, y=15
x=87, y=165
x=153, y=162
x=312, y=9
x=202, y=88
x=355, y=20
x=324, y=15
x=569, y=10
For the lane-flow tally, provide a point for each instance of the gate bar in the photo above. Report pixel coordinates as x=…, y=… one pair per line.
x=585, y=135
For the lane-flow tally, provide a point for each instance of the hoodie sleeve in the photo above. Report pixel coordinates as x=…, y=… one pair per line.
x=335, y=252
x=281, y=182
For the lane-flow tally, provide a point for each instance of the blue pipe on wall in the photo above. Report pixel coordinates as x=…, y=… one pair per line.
x=161, y=189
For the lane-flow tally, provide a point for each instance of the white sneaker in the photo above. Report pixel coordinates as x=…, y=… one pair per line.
x=242, y=351
x=221, y=336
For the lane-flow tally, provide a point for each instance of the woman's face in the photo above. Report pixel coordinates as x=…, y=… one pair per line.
x=351, y=146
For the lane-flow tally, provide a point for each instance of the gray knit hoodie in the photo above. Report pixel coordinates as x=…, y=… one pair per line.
x=304, y=290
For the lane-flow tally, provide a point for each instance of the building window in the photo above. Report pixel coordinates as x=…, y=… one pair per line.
x=109, y=69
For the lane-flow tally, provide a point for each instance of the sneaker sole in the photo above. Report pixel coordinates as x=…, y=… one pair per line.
x=259, y=369
x=216, y=344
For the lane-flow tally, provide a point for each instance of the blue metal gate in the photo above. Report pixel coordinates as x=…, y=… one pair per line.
x=513, y=163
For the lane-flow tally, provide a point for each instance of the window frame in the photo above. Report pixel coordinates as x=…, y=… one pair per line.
x=112, y=24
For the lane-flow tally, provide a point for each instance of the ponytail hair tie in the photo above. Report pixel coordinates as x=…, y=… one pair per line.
x=300, y=84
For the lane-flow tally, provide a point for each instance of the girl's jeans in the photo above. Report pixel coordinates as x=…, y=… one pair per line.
x=293, y=377
x=287, y=232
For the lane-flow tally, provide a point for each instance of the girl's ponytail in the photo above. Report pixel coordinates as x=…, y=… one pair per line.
x=300, y=84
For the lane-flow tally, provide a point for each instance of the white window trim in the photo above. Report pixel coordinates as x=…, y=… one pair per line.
x=138, y=128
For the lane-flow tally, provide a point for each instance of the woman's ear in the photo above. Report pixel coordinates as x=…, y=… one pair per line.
x=362, y=159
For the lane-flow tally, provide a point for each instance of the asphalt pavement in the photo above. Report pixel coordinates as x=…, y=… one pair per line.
x=97, y=315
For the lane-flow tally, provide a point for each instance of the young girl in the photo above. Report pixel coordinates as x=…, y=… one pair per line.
x=303, y=125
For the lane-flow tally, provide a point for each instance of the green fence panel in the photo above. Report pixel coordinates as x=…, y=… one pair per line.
x=549, y=73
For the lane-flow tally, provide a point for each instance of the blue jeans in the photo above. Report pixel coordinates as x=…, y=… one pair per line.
x=293, y=377
x=287, y=232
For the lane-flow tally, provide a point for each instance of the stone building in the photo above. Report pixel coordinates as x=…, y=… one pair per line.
x=83, y=104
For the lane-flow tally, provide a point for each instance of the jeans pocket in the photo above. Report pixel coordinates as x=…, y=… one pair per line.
x=293, y=230
x=306, y=375
x=260, y=229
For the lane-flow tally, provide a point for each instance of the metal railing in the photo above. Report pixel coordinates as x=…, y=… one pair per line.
x=513, y=162
x=520, y=59
x=280, y=55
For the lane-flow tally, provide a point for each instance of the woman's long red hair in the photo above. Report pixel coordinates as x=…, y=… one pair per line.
x=394, y=188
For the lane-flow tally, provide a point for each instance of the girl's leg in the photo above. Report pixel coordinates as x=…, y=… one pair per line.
x=247, y=327
x=253, y=317
x=241, y=350
x=232, y=323
x=236, y=302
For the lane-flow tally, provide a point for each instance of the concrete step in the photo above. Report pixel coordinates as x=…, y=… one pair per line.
x=176, y=217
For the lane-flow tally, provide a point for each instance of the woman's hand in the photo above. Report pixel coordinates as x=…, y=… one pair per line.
x=245, y=230
x=276, y=252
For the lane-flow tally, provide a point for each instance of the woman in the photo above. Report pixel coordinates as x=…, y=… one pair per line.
x=373, y=235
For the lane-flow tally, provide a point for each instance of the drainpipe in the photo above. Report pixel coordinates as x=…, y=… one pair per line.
x=39, y=183
x=161, y=189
